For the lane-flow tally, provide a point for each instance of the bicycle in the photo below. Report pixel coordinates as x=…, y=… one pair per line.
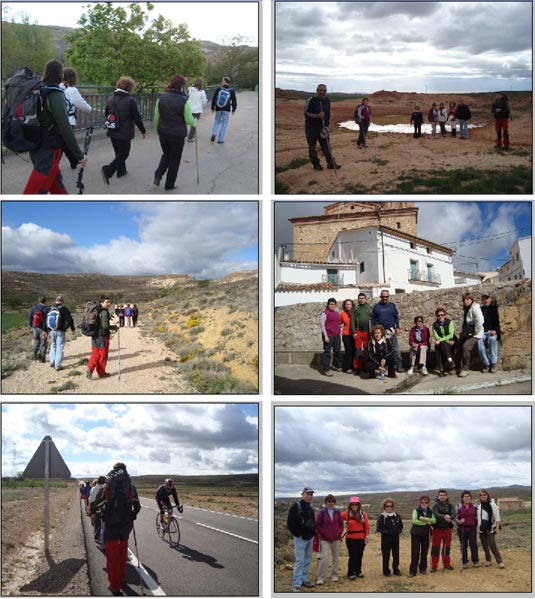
x=169, y=527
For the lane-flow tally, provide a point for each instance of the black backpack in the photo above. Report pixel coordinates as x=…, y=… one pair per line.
x=90, y=320
x=25, y=94
x=118, y=495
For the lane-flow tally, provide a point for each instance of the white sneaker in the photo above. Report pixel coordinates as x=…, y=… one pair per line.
x=319, y=582
x=501, y=565
x=487, y=564
x=423, y=371
x=335, y=578
x=411, y=370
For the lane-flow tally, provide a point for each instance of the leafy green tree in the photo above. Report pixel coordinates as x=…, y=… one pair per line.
x=24, y=44
x=237, y=60
x=117, y=40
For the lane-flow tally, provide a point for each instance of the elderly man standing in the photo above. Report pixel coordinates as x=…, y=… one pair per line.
x=491, y=335
x=302, y=524
x=58, y=320
x=386, y=313
x=317, y=120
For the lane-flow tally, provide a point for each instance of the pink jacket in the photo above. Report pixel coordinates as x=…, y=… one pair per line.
x=330, y=530
x=425, y=336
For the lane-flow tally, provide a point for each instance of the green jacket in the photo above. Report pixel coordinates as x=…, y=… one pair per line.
x=54, y=121
x=423, y=522
x=360, y=318
x=449, y=334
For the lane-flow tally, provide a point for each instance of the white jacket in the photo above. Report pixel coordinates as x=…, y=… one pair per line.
x=475, y=316
x=197, y=99
x=482, y=515
x=74, y=100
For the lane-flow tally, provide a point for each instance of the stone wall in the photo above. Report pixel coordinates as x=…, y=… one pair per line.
x=297, y=326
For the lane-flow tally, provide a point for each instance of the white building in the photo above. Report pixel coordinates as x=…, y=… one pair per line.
x=366, y=259
x=519, y=264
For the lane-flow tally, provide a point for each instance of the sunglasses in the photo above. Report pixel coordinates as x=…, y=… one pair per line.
x=389, y=505
x=384, y=296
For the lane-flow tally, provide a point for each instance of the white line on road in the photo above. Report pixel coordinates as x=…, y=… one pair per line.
x=227, y=533
x=202, y=509
x=150, y=584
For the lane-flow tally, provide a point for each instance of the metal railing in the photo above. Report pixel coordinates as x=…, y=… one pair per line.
x=333, y=279
x=423, y=275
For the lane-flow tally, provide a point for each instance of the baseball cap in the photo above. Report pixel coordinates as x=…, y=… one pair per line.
x=307, y=490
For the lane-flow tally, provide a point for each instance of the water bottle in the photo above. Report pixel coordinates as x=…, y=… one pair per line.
x=382, y=376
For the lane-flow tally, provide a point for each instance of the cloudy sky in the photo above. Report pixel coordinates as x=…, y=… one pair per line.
x=227, y=19
x=206, y=240
x=154, y=438
x=404, y=46
x=356, y=449
x=481, y=233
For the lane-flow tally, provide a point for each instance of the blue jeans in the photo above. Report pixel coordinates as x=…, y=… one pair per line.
x=221, y=119
x=463, y=127
x=335, y=345
x=492, y=342
x=57, y=343
x=303, y=555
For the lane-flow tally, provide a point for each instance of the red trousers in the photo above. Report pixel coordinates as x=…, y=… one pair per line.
x=441, y=534
x=116, y=556
x=46, y=176
x=99, y=355
x=502, y=127
x=361, y=343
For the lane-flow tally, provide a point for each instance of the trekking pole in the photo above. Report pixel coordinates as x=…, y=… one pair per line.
x=138, y=562
x=328, y=139
x=197, y=156
x=79, y=183
x=462, y=546
x=119, y=351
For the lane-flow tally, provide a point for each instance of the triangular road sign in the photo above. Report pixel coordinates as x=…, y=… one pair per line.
x=36, y=466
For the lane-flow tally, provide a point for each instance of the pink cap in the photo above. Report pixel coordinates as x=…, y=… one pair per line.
x=354, y=500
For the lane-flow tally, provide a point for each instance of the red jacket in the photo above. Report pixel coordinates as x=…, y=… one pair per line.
x=357, y=529
x=345, y=319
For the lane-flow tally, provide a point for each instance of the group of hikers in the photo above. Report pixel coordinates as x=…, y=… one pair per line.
x=49, y=325
x=112, y=502
x=370, y=334
x=175, y=110
x=318, y=119
x=323, y=532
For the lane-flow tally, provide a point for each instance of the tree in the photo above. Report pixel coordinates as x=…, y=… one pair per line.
x=114, y=41
x=24, y=45
x=235, y=60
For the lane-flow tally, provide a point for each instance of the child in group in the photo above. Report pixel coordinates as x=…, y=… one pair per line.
x=330, y=324
x=380, y=354
x=417, y=118
x=419, y=341
x=389, y=524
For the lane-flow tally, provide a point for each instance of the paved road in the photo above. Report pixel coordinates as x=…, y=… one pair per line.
x=218, y=555
x=229, y=168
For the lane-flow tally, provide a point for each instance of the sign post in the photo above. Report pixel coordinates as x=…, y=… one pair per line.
x=47, y=473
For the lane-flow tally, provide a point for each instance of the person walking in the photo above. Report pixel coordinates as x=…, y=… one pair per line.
x=419, y=343
x=58, y=320
x=330, y=526
x=330, y=324
x=120, y=316
x=363, y=117
x=197, y=100
x=491, y=335
x=94, y=509
x=466, y=521
x=357, y=535
x=123, y=116
x=422, y=521
x=172, y=115
x=471, y=333
x=444, y=339
x=501, y=112
x=120, y=506
x=75, y=102
x=390, y=526
x=386, y=314
x=223, y=103
x=128, y=315
x=100, y=342
x=444, y=513
x=464, y=115
x=442, y=118
x=55, y=134
x=347, y=338
x=488, y=526
x=37, y=322
x=135, y=314
x=417, y=118
x=317, y=122
x=301, y=523
x=360, y=329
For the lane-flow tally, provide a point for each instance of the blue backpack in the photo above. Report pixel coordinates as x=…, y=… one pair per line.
x=53, y=319
x=223, y=98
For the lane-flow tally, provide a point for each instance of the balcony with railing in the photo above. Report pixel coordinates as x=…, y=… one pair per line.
x=333, y=279
x=423, y=276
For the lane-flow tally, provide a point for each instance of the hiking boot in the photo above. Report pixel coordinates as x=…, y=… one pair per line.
x=116, y=592
x=156, y=182
x=411, y=370
x=352, y=577
x=119, y=175
x=349, y=371
x=42, y=359
x=485, y=369
x=318, y=167
x=297, y=589
x=104, y=375
x=397, y=572
x=58, y=368
x=423, y=571
x=220, y=142
x=411, y=575
x=399, y=369
x=105, y=176
x=360, y=575
x=327, y=373
x=493, y=368
x=433, y=570
x=307, y=584
x=487, y=564
x=476, y=565
x=319, y=582
x=334, y=166
x=450, y=567
x=335, y=578
x=464, y=566
x=388, y=573
x=35, y=356
x=51, y=364
x=463, y=373
x=393, y=376
x=501, y=565
x=212, y=138
x=441, y=373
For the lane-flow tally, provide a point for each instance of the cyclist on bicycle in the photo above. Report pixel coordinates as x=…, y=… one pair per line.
x=162, y=497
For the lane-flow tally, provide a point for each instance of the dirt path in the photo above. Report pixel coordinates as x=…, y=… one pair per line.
x=146, y=366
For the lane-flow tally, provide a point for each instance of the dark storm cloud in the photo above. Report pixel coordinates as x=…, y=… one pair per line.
x=380, y=10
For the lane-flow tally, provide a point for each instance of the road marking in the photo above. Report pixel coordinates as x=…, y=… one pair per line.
x=149, y=582
x=227, y=533
x=202, y=509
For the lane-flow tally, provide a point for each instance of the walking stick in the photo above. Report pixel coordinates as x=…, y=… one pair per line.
x=197, y=156
x=138, y=562
x=79, y=183
x=328, y=139
x=119, y=351
x=462, y=546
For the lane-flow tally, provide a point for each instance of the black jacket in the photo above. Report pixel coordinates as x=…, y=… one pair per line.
x=171, y=109
x=232, y=105
x=301, y=521
x=491, y=319
x=66, y=319
x=463, y=112
x=128, y=114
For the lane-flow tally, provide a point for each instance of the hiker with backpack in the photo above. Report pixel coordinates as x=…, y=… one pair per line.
x=162, y=498
x=302, y=524
x=197, y=100
x=75, y=102
x=128, y=315
x=135, y=314
x=122, y=113
x=96, y=324
x=58, y=320
x=37, y=322
x=119, y=502
x=330, y=526
x=317, y=121
x=223, y=102
x=53, y=132
x=172, y=115
x=95, y=511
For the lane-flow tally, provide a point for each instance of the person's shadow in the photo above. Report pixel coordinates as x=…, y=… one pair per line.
x=56, y=578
